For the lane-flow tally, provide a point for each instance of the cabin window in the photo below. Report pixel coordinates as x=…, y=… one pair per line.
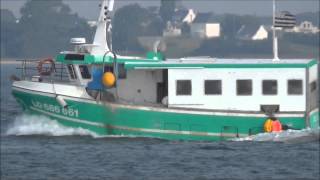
x=313, y=86
x=74, y=57
x=108, y=68
x=122, y=72
x=72, y=71
x=183, y=87
x=85, y=73
x=269, y=87
x=294, y=87
x=212, y=87
x=244, y=87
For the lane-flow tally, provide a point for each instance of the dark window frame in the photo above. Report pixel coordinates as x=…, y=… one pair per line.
x=122, y=72
x=249, y=93
x=268, y=93
x=86, y=74
x=72, y=72
x=294, y=93
x=188, y=91
x=313, y=86
x=216, y=91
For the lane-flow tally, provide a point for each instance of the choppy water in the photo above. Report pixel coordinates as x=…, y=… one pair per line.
x=34, y=147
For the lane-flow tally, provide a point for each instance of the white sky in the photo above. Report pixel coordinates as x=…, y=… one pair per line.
x=89, y=8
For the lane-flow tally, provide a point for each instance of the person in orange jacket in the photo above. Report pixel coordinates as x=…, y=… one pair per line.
x=276, y=125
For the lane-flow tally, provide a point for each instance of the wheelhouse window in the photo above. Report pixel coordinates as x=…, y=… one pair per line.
x=313, y=86
x=85, y=73
x=122, y=72
x=108, y=68
x=212, y=87
x=269, y=87
x=295, y=87
x=72, y=71
x=244, y=87
x=183, y=87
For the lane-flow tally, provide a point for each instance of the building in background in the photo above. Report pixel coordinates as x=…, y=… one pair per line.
x=305, y=27
x=204, y=26
x=252, y=32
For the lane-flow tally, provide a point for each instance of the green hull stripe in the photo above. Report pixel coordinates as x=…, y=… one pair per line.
x=114, y=119
x=138, y=129
x=68, y=118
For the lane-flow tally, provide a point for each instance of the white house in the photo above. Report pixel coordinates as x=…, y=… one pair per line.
x=189, y=18
x=305, y=27
x=251, y=32
x=261, y=34
x=171, y=30
x=203, y=27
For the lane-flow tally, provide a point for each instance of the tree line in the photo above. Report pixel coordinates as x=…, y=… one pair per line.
x=46, y=27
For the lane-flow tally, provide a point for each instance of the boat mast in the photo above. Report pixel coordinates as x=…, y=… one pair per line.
x=102, y=39
x=274, y=36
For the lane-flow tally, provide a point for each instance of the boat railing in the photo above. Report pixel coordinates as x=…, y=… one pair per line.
x=29, y=69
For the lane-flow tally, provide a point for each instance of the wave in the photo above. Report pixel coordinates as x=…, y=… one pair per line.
x=304, y=135
x=41, y=125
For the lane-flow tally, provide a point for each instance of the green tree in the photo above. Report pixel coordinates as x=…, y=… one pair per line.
x=47, y=26
x=167, y=10
x=129, y=23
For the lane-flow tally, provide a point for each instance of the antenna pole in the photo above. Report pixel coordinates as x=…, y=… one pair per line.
x=274, y=36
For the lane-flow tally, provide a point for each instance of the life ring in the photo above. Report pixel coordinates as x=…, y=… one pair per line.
x=46, y=71
x=268, y=126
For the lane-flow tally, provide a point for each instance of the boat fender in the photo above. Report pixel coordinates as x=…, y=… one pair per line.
x=46, y=71
x=96, y=83
x=276, y=126
x=108, y=79
x=61, y=101
x=268, y=126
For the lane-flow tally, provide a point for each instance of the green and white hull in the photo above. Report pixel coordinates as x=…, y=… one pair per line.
x=106, y=118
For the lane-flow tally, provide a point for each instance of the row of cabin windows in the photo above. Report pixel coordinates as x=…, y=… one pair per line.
x=86, y=74
x=244, y=87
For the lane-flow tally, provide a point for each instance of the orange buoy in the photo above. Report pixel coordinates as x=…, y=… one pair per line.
x=276, y=126
x=268, y=126
x=108, y=79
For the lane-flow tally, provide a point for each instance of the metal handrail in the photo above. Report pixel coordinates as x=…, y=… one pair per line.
x=25, y=69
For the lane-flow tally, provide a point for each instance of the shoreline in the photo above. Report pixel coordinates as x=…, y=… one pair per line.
x=8, y=62
x=12, y=61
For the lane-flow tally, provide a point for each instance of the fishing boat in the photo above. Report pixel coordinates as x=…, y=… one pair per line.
x=190, y=98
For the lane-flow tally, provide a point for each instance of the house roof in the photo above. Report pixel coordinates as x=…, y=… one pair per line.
x=202, y=17
x=180, y=14
x=205, y=18
x=247, y=31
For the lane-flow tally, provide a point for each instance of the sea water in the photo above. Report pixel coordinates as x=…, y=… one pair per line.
x=35, y=147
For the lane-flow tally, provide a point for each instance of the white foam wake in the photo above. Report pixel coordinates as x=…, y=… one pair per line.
x=285, y=136
x=41, y=125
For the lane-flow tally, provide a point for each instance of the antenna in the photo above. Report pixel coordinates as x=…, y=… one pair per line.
x=102, y=38
x=274, y=36
x=109, y=24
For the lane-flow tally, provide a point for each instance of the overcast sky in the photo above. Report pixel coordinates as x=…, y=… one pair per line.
x=89, y=8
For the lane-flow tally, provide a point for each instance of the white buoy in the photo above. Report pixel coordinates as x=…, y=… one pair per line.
x=61, y=101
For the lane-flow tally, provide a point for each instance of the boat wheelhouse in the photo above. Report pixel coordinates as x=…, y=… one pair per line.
x=193, y=98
